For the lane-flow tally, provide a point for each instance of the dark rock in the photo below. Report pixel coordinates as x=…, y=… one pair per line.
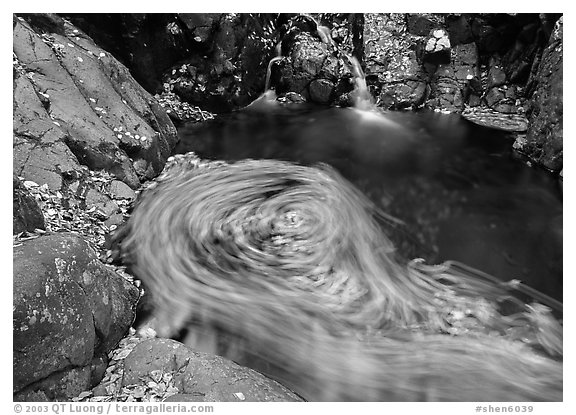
x=227, y=69
x=27, y=215
x=68, y=310
x=45, y=22
x=494, y=96
x=459, y=29
x=408, y=94
x=544, y=140
x=496, y=32
x=420, y=24
x=74, y=104
x=321, y=91
x=496, y=74
x=201, y=377
x=148, y=44
x=313, y=70
x=453, y=83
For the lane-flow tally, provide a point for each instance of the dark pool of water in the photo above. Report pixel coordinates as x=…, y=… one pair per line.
x=456, y=185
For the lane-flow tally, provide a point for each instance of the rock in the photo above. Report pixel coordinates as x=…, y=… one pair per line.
x=69, y=309
x=544, y=140
x=494, y=96
x=75, y=104
x=452, y=84
x=496, y=74
x=120, y=190
x=201, y=377
x=459, y=29
x=225, y=66
x=420, y=24
x=404, y=95
x=494, y=119
x=436, y=47
x=148, y=44
x=321, y=91
x=26, y=213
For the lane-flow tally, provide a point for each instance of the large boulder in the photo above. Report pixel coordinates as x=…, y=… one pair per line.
x=76, y=104
x=26, y=213
x=313, y=65
x=201, y=377
x=70, y=310
x=544, y=140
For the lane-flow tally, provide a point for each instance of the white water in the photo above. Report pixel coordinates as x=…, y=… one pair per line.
x=362, y=98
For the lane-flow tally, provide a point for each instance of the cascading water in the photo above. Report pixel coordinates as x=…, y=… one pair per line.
x=362, y=98
x=269, y=72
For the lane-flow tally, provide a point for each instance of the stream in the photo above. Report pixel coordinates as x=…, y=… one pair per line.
x=456, y=186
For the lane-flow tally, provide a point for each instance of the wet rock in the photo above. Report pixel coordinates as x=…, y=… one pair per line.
x=26, y=213
x=200, y=377
x=407, y=94
x=544, y=140
x=75, y=104
x=321, y=91
x=68, y=310
x=313, y=70
x=494, y=119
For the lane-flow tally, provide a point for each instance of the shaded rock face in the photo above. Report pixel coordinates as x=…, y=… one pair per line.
x=544, y=140
x=148, y=44
x=69, y=312
x=228, y=68
x=26, y=213
x=200, y=377
x=75, y=104
x=214, y=60
x=451, y=61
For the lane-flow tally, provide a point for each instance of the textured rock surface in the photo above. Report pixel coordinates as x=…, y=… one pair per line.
x=75, y=104
x=201, y=377
x=544, y=140
x=223, y=57
x=69, y=309
x=26, y=213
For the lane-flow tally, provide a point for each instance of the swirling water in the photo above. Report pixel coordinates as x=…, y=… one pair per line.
x=456, y=187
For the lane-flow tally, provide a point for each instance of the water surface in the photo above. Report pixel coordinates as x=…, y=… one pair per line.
x=455, y=185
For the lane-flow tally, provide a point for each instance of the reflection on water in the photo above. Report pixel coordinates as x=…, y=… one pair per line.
x=453, y=184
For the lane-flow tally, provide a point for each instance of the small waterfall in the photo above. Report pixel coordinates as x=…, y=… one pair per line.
x=269, y=72
x=268, y=99
x=364, y=104
x=323, y=32
x=362, y=98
